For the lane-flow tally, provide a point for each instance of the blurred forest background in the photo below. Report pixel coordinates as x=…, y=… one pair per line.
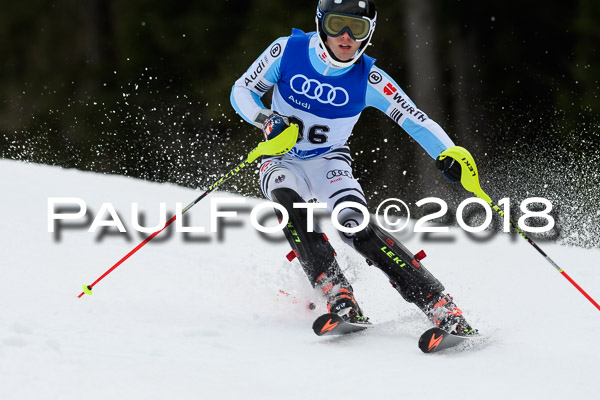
x=141, y=88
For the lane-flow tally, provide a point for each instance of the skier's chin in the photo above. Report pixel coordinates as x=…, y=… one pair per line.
x=341, y=53
x=344, y=56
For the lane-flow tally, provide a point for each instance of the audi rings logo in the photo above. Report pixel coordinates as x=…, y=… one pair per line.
x=338, y=172
x=322, y=92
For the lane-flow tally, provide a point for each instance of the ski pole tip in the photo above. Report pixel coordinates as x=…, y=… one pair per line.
x=87, y=289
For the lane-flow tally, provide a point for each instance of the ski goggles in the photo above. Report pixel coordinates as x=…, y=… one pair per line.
x=335, y=24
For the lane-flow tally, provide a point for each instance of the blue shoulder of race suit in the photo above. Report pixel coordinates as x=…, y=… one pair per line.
x=382, y=92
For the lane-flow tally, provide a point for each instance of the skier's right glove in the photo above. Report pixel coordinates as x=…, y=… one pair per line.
x=450, y=168
x=274, y=125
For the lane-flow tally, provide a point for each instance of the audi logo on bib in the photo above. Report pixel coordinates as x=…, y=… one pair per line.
x=322, y=92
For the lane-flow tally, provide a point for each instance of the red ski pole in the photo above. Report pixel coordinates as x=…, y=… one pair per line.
x=280, y=144
x=470, y=182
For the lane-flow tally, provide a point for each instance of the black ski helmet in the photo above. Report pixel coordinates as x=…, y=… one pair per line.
x=363, y=9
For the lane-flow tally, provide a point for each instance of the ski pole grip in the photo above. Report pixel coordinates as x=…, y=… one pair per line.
x=277, y=146
x=469, y=176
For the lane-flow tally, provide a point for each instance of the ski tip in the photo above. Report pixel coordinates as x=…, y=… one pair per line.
x=334, y=324
x=87, y=289
x=326, y=323
x=436, y=339
x=430, y=341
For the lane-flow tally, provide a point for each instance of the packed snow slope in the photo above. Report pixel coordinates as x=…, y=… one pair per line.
x=200, y=315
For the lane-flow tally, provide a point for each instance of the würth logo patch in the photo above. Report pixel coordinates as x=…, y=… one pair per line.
x=389, y=89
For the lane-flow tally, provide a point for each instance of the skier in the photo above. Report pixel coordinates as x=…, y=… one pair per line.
x=322, y=81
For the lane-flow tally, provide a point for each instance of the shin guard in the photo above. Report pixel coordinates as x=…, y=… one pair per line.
x=315, y=253
x=406, y=273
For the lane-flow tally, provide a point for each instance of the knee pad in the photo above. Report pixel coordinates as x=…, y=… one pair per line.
x=406, y=273
x=350, y=218
x=315, y=253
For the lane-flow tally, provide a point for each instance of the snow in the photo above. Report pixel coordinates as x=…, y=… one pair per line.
x=204, y=319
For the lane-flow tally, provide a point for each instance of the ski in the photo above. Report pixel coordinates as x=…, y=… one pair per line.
x=436, y=339
x=431, y=341
x=333, y=324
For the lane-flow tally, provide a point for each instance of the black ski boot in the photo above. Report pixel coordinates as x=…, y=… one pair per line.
x=340, y=298
x=343, y=303
x=443, y=312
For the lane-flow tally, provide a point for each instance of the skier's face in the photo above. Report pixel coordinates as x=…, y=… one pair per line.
x=343, y=46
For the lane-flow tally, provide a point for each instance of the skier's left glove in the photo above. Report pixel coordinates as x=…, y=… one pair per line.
x=274, y=125
x=450, y=168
